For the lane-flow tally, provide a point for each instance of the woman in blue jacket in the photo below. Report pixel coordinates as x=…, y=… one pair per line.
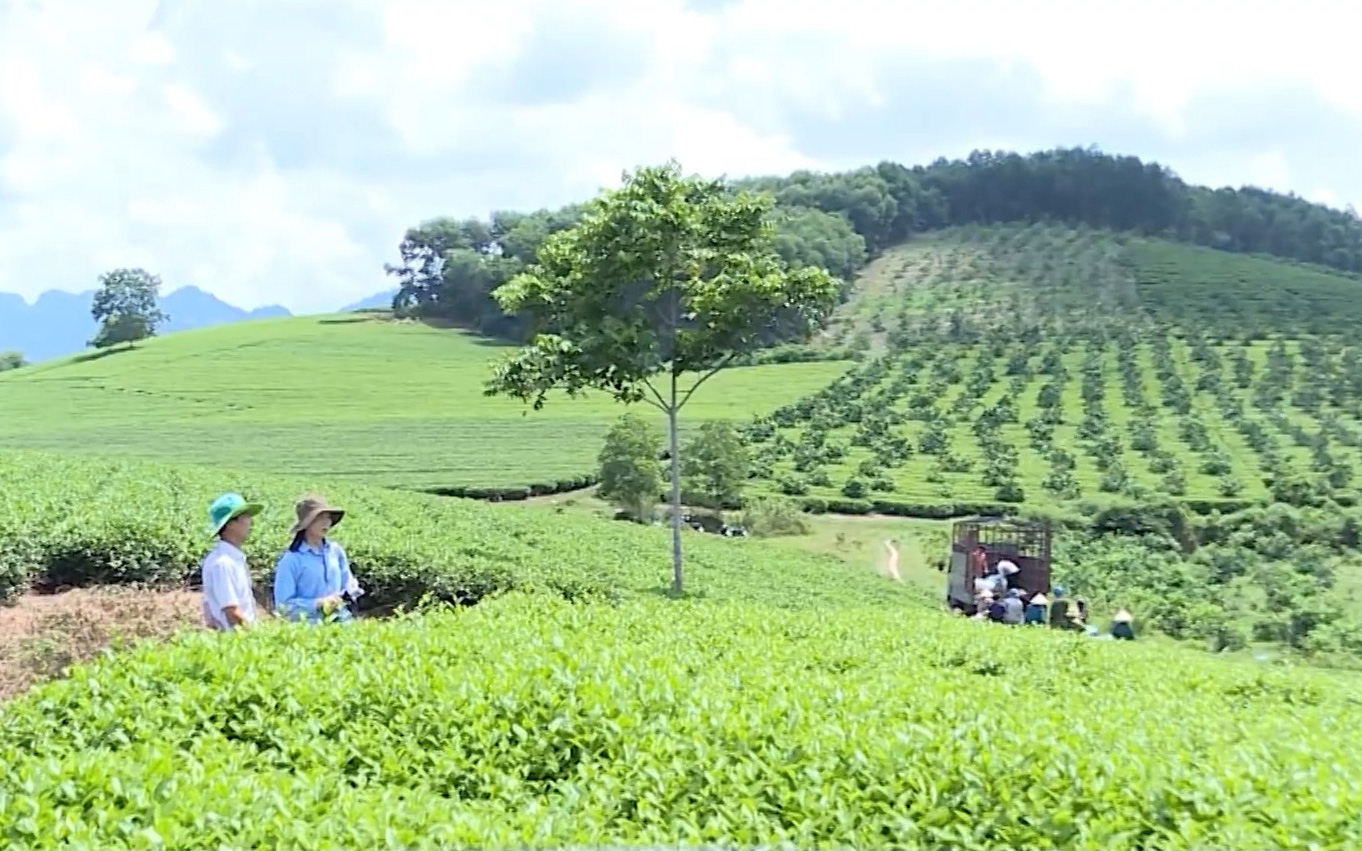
x=313, y=576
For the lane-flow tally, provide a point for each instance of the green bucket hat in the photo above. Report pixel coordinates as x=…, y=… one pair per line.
x=227, y=508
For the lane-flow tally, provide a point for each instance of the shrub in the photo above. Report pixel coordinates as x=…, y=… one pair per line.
x=793, y=485
x=1168, y=519
x=855, y=488
x=1010, y=492
x=630, y=474
x=768, y=517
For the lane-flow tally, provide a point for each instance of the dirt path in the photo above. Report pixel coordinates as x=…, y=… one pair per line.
x=44, y=633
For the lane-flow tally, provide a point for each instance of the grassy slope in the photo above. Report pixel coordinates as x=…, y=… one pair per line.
x=80, y=520
x=349, y=397
x=1068, y=280
x=401, y=403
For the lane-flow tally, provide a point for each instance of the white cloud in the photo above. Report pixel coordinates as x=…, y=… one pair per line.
x=274, y=151
x=194, y=116
x=1324, y=196
x=1166, y=49
x=1270, y=171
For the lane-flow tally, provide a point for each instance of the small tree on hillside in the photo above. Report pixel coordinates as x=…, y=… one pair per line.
x=11, y=360
x=715, y=463
x=661, y=281
x=125, y=307
x=631, y=475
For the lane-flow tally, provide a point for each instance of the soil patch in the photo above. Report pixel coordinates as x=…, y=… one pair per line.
x=43, y=634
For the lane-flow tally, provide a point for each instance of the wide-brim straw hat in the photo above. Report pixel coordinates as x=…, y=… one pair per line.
x=1123, y=617
x=1040, y=600
x=311, y=507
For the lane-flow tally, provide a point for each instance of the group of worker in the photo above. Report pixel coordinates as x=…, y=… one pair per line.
x=312, y=579
x=1000, y=598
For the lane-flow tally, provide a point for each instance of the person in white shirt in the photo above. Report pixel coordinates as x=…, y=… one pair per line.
x=228, y=599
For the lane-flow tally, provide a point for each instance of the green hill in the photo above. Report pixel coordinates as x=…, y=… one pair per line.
x=1020, y=364
x=342, y=397
x=1035, y=363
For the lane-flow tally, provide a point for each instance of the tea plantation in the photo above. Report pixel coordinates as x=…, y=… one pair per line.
x=1038, y=364
x=74, y=521
x=1004, y=365
x=526, y=722
x=351, y=397
x=1209, y=402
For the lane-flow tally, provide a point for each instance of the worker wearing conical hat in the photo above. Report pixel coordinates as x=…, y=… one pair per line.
x=1121, y=626
x=1036, y=609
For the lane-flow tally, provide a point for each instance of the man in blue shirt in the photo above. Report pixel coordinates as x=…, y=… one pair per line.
x=313, y=575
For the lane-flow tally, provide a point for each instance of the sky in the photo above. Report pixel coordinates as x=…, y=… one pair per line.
x=274, y=151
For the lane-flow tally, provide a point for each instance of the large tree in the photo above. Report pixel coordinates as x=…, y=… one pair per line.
x=125, y=306
x=658, y=286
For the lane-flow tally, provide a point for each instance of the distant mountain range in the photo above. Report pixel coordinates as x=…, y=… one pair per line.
x=59, y=323
x=377, y=301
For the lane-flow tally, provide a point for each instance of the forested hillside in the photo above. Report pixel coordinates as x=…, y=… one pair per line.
x=448, y=268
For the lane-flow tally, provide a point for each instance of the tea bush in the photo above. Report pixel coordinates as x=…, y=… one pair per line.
x=529, y=722
x=88, y=522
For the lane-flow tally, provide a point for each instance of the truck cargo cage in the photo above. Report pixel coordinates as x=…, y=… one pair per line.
x=1025, y=543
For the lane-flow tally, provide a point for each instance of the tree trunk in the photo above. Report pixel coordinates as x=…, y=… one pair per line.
x=676, y=491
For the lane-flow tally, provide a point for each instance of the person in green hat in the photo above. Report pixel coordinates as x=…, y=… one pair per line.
x=228, y=600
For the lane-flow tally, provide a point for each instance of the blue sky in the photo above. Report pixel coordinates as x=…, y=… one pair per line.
x=273, y=151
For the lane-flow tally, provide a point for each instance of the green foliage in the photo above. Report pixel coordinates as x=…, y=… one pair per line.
x=11, y=360
x=1207, y=289
x=809, y=237
x=412, y=414
x=716, y=463
x=657, y=724
x=769, y=517
x=855, y=488
x=695, y=265
x=1263, y=574
x=631, y=476
x=449, y=269
x=1030, y=362
x=125, y=307
x=665, y=276
x=835, y=221
x=83, y=522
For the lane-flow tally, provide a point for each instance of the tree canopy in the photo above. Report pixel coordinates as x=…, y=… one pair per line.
x=660, y=283
x=837, y=221
x=125, y=306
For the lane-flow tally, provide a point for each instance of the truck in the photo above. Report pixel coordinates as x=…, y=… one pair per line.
x=1025, y=543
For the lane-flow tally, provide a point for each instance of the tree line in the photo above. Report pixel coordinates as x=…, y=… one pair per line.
x=449, y=268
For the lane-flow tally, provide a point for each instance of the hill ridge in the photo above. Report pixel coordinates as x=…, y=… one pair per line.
x=57, y=323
